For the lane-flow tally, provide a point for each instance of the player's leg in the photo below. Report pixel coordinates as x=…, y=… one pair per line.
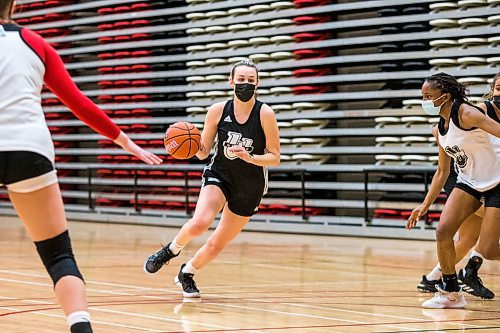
x=458, y=207
x=468, y=234
x=228, y=228
x=490, y=234
x=210, y=202
x=42, y=212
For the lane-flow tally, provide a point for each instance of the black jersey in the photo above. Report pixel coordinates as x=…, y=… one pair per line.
x=244, y=179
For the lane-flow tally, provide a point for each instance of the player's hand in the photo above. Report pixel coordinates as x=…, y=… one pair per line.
x=241, y=152
x=416, y=214
x=128, y=145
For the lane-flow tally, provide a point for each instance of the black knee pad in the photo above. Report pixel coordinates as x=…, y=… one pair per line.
x=58, y=258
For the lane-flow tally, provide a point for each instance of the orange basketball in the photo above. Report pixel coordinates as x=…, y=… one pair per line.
x=182, y=140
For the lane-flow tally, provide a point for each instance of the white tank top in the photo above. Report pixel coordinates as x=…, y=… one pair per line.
x=476, y=153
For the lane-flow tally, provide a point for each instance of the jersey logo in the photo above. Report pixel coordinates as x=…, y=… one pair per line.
x=458, y=155
x=228, y=119
x=236, y=139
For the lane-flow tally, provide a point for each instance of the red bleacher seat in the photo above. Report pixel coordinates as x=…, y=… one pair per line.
x=309, y=37
x=304, y=72
x=300, y=20
x=309, y=54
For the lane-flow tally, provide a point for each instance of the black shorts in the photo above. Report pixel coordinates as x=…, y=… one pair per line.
x=490, y=198
x=450, y=184
x=16, y=166
x=239, y=201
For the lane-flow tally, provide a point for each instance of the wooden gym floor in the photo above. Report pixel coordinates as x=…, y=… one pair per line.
x=260, y=283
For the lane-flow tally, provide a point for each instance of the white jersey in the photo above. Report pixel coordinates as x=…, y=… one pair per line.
x=476, y=153
x=22, y=122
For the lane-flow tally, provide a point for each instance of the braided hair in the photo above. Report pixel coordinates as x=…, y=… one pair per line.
x=448, y=84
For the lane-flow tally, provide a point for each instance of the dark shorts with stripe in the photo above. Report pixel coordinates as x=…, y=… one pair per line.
x=490, y=198
x=16, y=166
x=239, y=201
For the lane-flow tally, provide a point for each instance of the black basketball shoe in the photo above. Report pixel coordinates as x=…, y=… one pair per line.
x=471, y=283
x=185, y=280
x=82, y=327
x=157, y=260
x=428, y=286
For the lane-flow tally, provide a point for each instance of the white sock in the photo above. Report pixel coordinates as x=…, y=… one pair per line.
x=189, y=268
x=435, y=274
x=474, y=253
x=175, y=248
x=78, y=317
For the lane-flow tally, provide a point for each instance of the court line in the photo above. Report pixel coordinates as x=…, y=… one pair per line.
x=222, y=296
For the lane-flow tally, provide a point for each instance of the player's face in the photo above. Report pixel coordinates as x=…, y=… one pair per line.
x=431, y=93
x=496, y=88
x=244, y=74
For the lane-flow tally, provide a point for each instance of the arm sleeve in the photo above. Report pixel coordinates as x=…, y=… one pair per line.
x=62, y=85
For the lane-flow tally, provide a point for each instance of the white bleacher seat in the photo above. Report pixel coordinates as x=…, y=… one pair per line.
x=472, y=21
x=495, y=19
x=495, y=40
x=470, y=41
x=387, y=121
x=280, y=74
x=259, y=25
x=259, y=8
x=282, y=55
x=281, y=22
x=285, y=141
x=195, y=31
x=284, y=125
x=442, y=43
x=216, y=46
x=195, y=63
x=493, y=60
x=233, y=60
x=301, y=122
x=412, y=103
x=214, y=29
x=195, y=94
x=282, y=39
x=434, y=159
x=195, y=78
x=387, y=159
x=262, y=91
x=444, y=23
x=264, y=74
x=282, y=107
x=216, y=61
x=195, y=48
x=280, y=90
x=310, y=141
x=195, y=109
x=415, y=159
x=238, y=43
x=472, y=3
x=310, y=106
x=442, y=6
x=215, y=94
x=215, y=77
x=433, y=120
x=493, y=2
x=443, y=62
x=238, y=11
x=237, y=27
x=195, y=16
x=259, y=57
x=216, y=14
x=259, y=40
x=414, y=121
x=471, y=80
x=279, y=5
x=381, y=141
x=309, y=158
x=414, y=140
x=475, y=99
x=471, y=61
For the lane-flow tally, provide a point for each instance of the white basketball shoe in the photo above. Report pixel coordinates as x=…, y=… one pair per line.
x=446, y=300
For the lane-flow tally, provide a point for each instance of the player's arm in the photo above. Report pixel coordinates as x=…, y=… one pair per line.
x=471, y=117
x=271, y=157
x=438, y=181
x=62, y=85
x=210, y=130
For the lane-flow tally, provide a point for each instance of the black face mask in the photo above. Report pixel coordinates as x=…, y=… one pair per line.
x=496, y=100
x=244, y=91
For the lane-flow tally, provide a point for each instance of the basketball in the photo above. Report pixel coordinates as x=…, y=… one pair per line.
x=182, y=140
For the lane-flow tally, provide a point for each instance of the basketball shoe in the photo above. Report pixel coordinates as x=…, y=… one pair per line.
x=446, y=300
x=157, y=260
x=428, y=286
x=185, y=280
x=471, y=283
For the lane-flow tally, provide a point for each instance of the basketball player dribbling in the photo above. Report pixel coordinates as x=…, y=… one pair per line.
x=27, y=168
x=472, y=138
x=246, y=138
x=468, y=233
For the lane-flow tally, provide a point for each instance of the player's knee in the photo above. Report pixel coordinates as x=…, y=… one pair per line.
x=213, y=248
x=444, y=231
x=198, y=226
x=57, y=256
x=490, y=251
x=468, y=240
